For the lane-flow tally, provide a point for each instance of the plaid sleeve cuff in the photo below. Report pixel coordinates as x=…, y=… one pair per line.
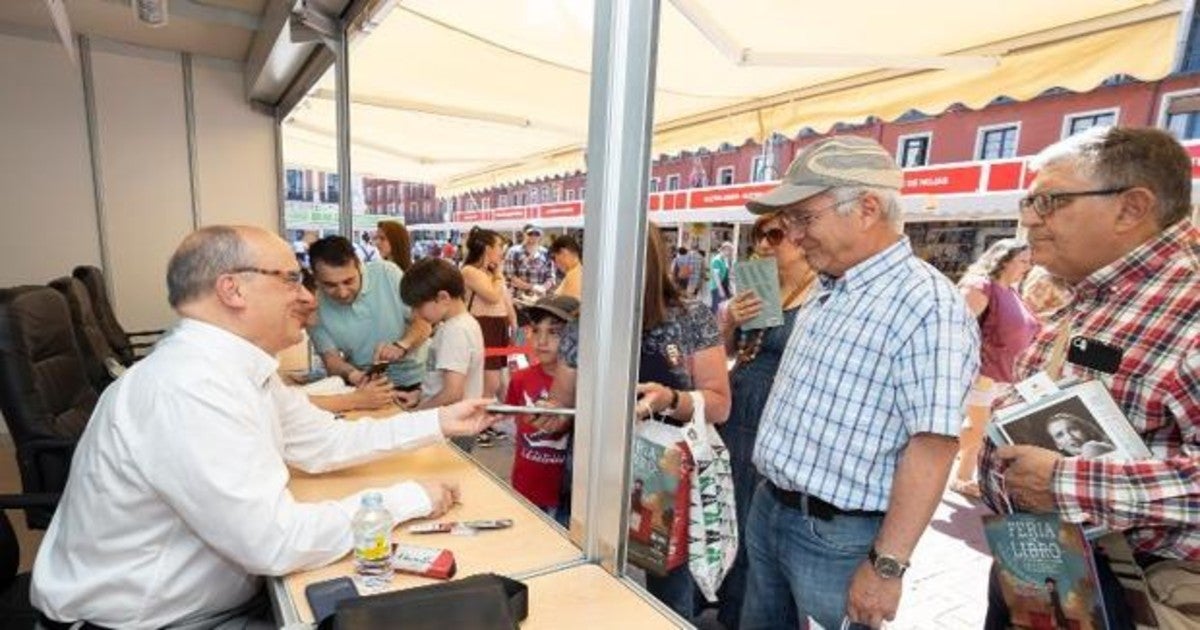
x=1069, y=485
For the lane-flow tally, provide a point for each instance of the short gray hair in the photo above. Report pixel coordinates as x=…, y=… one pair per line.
x=201, y=258
x=1125, y=157
x=890, y=197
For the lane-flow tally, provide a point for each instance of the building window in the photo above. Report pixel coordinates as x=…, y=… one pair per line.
x=503, y=200
x=673, y=182
x=331, y=188
x=725, y=176
x=914, y=150
x=1075, y=123
x=571, y=194
x=295, y=185
x=1181, y=115
x=654, y=184
x=997, y=143
x=581, y=192
x=487, y=203
x=533, y=195
x=554, y=193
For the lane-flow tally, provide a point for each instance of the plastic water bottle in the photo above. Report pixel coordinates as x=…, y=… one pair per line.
x=372, y=526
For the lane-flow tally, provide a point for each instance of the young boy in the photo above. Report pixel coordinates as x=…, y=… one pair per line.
x=434, y=289
x=540, y=454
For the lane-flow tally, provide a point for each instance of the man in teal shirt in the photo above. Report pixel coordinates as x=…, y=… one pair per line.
x=718, y=277
x=362, y=319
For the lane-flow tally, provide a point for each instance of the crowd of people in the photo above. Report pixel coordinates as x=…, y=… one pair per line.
x=843, y=423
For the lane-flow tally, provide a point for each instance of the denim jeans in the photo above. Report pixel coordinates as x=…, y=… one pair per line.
x=801, y=566
x=677, y=591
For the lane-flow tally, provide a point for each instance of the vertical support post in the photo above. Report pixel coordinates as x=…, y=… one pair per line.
x=342, y=74
x=93, y=131
x=189, y=115
x=280, y=180
x=618, y=157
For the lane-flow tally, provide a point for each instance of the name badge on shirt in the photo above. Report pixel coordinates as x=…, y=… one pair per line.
x=1094, y=354
x=1036, y=387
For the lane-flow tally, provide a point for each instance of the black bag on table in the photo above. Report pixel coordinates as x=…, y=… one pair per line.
x=481, y=602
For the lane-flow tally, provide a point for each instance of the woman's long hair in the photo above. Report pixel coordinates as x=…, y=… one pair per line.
x=400, y=242
x=659, y=292
x=478, y=240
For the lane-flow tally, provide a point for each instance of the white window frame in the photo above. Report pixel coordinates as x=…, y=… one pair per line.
x=655, y=184
x=503, y=199
x=732, y=175
x=1069, y=118
x=570, y=194
x=673, y=179
x=979, y=133
x=928, y=135
x=1165, y=100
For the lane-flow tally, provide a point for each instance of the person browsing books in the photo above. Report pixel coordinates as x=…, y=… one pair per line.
x=859, y=431
x=361, y=319
x=177, y=499
x=1108, y=213
x=757, y=354
x=541, y=452
x=434, y=290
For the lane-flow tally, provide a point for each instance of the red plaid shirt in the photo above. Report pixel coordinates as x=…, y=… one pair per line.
x=1147, y=304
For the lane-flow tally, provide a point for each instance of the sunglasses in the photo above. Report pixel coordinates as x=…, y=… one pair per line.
x=773, y=235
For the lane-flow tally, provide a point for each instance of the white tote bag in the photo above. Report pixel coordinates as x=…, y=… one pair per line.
x=712, y=527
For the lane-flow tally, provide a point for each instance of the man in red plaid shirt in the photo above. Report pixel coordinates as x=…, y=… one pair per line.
x=1107, y=212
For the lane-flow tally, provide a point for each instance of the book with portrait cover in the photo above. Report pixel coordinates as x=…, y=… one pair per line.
x=1081, y=420
x=1045, y=572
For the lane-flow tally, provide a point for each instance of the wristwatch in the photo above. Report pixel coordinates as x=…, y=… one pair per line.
x=400, y=346
x=887, y=566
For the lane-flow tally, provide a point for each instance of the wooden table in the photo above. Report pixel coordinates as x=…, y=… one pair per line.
x=532, y=544
x=585, y=596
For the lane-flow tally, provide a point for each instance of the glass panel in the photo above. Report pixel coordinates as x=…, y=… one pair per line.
x=311, y=187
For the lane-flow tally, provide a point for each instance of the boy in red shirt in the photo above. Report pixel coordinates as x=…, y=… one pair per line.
x=541, y=455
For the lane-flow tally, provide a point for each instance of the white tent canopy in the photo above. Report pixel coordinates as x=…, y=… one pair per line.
x=470, y=95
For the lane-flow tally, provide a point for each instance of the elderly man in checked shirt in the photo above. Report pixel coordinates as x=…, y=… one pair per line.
x=859, y=431
x=1107, y=213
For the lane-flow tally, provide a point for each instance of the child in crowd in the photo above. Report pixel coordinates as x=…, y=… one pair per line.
x=541, y=453
x=433, y=288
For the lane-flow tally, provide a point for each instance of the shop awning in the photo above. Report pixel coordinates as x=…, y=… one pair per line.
x=471, y=95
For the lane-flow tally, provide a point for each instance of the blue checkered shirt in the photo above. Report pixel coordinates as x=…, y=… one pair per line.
x=883, y=353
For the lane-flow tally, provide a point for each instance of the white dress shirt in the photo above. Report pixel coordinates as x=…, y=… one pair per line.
x=178, y=499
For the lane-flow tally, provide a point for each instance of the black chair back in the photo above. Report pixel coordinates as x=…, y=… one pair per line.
x=16, y=611
x=45, y=395
x=93, y=345
x=93, y=279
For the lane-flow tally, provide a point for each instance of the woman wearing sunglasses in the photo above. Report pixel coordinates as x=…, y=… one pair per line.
x=757, y=355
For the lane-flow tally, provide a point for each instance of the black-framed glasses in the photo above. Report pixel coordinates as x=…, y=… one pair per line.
x=1044, y=204
x=773, y=235
x=291, y=277
x=801, y=220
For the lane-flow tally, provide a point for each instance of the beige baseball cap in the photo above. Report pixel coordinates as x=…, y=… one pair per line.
x=831, y=163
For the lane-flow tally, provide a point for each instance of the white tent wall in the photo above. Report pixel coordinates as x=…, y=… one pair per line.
x=152, y=190
x=48, y=217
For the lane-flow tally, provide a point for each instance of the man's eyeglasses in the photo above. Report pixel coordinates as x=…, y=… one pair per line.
x=773, y=235
x=801, y=220
x=1044, y=204
x=293, y=278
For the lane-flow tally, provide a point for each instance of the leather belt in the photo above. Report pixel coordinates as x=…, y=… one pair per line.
x=814, y=506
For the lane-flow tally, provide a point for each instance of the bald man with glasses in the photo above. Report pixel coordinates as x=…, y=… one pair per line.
x=177, y=500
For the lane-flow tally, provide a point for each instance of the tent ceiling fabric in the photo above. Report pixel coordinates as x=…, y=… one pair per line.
x=499, y=93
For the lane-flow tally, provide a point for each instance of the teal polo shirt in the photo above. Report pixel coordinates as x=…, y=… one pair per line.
x=376, y=316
